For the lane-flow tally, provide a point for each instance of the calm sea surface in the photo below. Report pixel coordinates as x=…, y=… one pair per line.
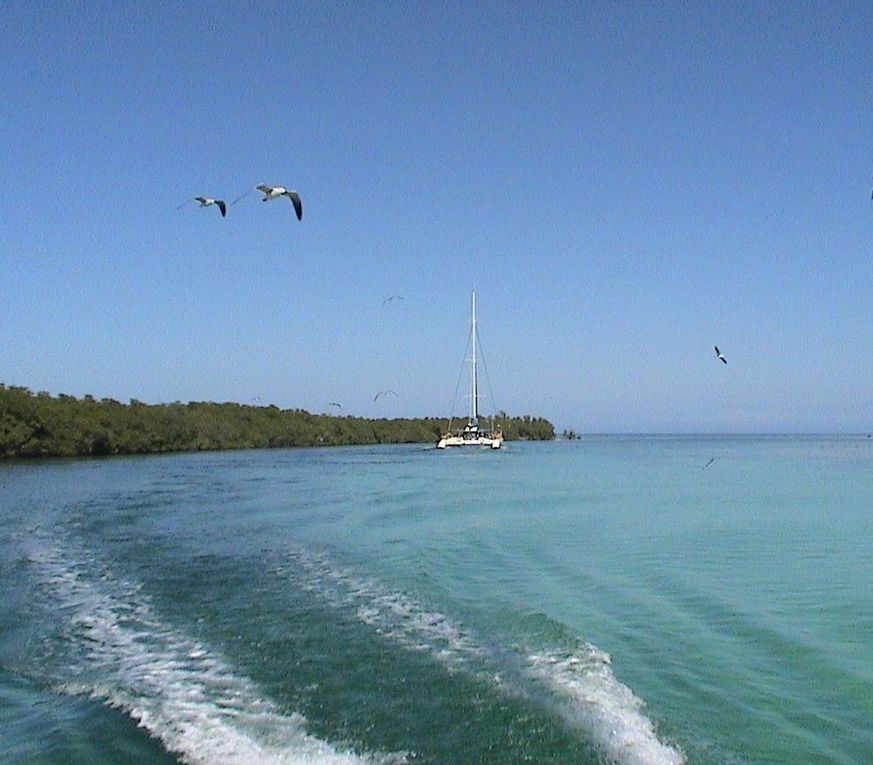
x=609, y=600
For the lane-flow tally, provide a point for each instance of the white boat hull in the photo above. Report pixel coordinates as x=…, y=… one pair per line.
x=487, y=441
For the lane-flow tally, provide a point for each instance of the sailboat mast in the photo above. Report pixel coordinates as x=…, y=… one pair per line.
x=474, y=405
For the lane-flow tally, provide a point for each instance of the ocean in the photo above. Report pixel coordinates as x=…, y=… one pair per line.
x=637, y=600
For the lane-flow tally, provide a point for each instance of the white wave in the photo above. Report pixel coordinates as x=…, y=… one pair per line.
x=174, y=687
x=580, y=680
x=608, y=710
x=392, y=614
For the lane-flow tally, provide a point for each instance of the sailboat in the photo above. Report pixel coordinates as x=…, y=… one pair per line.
x=472, y=434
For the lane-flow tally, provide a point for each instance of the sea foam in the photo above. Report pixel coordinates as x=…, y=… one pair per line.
x=594, y=699
x=174, y=687
x=581, y=685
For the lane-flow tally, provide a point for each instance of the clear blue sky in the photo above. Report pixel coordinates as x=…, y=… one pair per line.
x=624, y=184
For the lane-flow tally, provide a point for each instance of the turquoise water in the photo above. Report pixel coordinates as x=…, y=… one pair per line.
x=609, y=600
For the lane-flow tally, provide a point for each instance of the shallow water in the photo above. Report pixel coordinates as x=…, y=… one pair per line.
x=612, y=599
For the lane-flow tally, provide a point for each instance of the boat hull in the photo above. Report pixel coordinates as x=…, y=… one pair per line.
x=482, y=441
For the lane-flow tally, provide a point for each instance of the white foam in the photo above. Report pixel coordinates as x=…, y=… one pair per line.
x=593, y=698
x=175, y=688
x=580, y=681
x=394, y=615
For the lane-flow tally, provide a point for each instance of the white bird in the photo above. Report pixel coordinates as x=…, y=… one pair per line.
x=335, y=403
x=720, y=356
x=389, y=299
x=271, y=192
x=384, y=393
x=208, y=202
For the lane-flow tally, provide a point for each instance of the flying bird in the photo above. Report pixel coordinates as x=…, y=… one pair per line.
x=334, y=403
x=384, y=393
x=208, y=202
x=712, y=459
x=720, y=356
x=389, y=299
x=271, y=192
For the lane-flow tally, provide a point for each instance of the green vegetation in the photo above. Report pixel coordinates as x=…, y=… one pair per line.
x=40, y=425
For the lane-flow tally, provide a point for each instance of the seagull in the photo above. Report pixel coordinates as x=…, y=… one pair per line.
x=271, y=192
x=334, y=403
x=208, y=202
x=389, y=299
x=720, y=356
x=712, y=459
x=384, y=393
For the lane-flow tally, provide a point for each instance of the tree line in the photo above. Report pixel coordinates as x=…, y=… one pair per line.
x=42, y=425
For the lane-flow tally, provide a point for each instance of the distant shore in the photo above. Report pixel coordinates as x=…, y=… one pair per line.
x=34, y=425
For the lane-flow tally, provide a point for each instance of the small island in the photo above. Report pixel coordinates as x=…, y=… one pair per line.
x=34, y=425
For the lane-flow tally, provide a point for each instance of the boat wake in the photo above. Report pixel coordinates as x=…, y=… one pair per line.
x=118, y=650
x=172, y=686
x=595, y=701
x=579, y=684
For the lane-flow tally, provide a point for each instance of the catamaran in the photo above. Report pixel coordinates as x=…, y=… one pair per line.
x=472, y=434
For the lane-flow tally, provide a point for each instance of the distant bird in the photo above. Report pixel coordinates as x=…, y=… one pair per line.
x=334, y=403
x=389, y=299
x=271, y=192
x=712, y=459
x=384, y=393
x=208, y=202
x=720, y=356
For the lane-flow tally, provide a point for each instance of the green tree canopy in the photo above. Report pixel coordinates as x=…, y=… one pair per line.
x=40, y=425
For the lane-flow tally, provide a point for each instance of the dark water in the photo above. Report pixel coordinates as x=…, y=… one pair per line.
x=609, y=600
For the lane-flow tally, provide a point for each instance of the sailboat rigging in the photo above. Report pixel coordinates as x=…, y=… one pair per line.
x=472, y=434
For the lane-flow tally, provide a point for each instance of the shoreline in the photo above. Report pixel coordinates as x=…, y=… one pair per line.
x=37, y=426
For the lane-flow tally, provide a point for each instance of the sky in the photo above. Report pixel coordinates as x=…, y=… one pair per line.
x=624, y=184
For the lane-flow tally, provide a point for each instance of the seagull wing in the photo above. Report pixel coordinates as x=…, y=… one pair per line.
x=241, y=196
x=297, y=202
x=269, y=192
x=221, y=206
